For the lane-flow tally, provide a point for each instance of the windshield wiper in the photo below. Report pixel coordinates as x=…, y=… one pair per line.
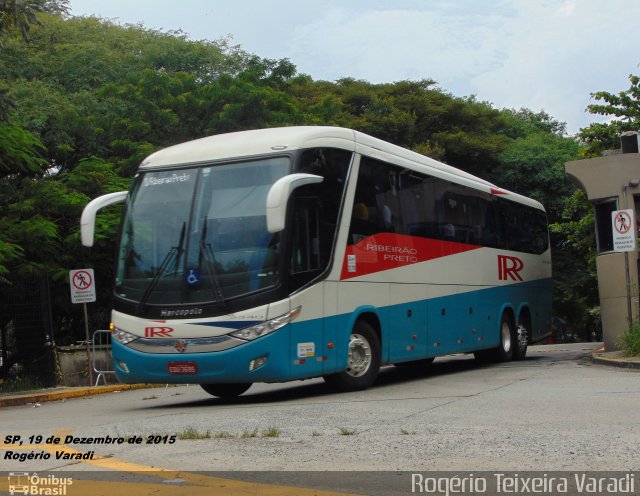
x=206, y=252
x=174, y=250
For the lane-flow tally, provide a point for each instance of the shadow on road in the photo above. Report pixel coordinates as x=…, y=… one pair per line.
x=389, y=377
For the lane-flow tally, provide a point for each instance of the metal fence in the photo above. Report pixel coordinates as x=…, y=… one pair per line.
x=26, y=334
x=101, y=356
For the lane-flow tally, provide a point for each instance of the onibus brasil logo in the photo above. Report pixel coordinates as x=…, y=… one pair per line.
x=49, y=485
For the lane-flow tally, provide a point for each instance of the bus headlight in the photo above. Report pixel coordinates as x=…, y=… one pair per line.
x=267, y=327
x=122, y=336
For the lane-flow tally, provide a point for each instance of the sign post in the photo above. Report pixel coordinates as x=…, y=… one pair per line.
x=83, y=290
x=624, y=240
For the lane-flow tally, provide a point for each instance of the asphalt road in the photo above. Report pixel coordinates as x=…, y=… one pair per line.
x=553, y=411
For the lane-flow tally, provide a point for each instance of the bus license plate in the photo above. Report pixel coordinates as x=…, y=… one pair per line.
x=182, y=368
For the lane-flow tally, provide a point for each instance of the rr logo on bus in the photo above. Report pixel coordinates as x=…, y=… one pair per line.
x=509, y=268
x=154, y=332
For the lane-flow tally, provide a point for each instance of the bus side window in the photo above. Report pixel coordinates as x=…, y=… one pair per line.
x=305, y=255
x=376, y=206
x=307, y=258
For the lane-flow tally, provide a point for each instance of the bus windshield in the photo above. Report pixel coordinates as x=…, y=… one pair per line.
x=199, y=234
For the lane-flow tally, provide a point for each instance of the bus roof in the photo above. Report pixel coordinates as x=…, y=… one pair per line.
x=273, y=140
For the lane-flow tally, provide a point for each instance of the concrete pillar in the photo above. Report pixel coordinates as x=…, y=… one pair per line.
x=613, y=177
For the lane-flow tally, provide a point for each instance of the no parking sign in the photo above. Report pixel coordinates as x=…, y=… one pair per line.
x=83, y=287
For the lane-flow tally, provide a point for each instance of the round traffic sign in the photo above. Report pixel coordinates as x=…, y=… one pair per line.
x=82, y=280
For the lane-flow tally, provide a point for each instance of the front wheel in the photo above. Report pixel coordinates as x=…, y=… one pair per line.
x=226, y=390
x=363, y=360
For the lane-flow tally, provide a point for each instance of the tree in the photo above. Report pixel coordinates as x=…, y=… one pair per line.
x=92, y=99
x=573, y=234
x=21, y=15
x=624, y=106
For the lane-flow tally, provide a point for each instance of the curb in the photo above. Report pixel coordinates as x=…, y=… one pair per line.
x=616, y=361
x=81, y=392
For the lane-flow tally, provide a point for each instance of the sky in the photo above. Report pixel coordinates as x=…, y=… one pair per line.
x=545, y=55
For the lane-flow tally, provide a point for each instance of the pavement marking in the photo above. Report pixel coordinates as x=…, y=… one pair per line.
x=200, y=486
x=173, y=482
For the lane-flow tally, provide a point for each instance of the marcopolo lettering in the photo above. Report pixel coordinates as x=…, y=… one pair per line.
x=181, y=313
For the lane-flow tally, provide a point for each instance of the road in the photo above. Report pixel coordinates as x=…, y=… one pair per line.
x=553, y=411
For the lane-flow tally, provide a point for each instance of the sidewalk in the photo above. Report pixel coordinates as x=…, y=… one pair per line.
x=61, y=393
x=616, y=359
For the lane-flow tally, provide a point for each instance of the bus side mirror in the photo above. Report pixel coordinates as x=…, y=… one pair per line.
x=278, y=198
x=88, y=218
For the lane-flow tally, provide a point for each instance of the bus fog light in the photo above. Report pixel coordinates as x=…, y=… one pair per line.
x=256, y=363
x=123, y=366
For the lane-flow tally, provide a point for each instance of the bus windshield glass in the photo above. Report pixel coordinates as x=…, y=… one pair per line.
x=199, y=235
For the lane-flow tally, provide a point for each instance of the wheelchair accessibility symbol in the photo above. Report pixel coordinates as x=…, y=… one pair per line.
x=193, y=277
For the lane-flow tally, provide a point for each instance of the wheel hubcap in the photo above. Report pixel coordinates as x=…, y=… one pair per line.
x=506, y=337
x=359, y=355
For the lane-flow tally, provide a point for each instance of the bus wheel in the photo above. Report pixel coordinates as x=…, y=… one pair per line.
x=508, y=339
x=504, y=352
x=522, y=338
x=363, y=360
x=226, y=390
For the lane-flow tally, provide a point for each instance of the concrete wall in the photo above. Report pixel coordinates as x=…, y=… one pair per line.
x=603, y=178
x=72, y=361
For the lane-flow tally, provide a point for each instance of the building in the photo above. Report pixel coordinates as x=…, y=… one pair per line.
x=612, y=182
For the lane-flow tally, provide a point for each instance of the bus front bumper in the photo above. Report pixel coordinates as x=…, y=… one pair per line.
x=265, y=359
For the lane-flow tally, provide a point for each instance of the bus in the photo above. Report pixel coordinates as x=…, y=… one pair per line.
x=290, y=253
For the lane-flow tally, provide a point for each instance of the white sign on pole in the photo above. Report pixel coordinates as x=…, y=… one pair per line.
x=623, y=225
x=83, y=286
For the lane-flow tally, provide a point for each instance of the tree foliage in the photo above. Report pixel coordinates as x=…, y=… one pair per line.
x=623, y=106
x=92, y=99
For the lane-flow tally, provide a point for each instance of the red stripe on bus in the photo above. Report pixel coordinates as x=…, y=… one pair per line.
x=387, y=251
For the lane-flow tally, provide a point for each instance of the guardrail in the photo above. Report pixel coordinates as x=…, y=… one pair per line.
x=102, y=361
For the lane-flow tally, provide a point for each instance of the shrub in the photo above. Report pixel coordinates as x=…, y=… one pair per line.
x=630, y=340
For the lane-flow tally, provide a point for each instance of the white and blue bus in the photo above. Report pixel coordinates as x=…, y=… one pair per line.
x=283, y=254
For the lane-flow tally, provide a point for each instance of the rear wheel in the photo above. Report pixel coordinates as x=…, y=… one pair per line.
x=363, y=360
x=504, y=352
x=508, y=339
x=226, y=390
x=522, y=338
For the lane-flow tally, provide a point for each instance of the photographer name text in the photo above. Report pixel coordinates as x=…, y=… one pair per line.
x=512, y=483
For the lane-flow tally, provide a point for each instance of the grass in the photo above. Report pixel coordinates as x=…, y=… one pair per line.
x=249, y=434
x=223, y=435
x=630, y=340
x=346, y=432
x=271, y=431
x=193, y=433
